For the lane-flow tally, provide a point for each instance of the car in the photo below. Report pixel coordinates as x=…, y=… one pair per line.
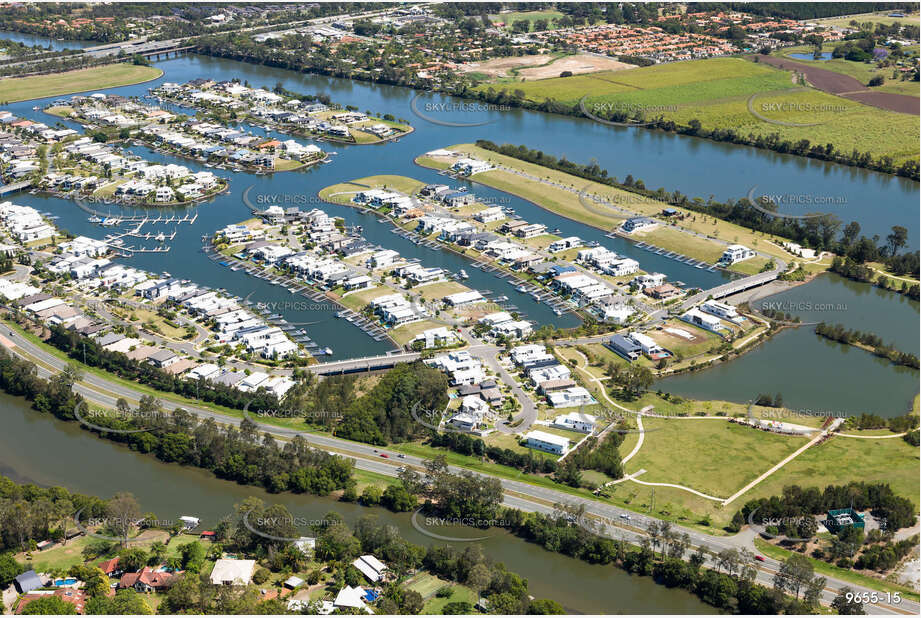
x=759, y=558
x=385, y=455
x=624, y=516
x=401, y=456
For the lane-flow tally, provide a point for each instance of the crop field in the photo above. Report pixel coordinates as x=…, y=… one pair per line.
x=716, y=92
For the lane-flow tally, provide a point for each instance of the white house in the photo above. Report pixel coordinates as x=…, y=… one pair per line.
x=548, y=442
x=707, y=322
x=720, y=310
x=576, y=421
x=646, y=343
x=230, y=572
x=370, y=567
x=570, y=397
x=735, y=253
x=469, y=167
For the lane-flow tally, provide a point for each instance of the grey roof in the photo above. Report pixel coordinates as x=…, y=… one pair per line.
x=109, y=339
x=161, y=355
x=27, y=581
x=231, y=378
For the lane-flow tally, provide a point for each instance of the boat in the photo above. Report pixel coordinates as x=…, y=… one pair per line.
x=463, y=274
x=522, y=289
x=94, y=219
x=500, y=299
x=556, y=230
x=328, y=351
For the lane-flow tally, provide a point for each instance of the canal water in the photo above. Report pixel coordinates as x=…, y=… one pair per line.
x=817, y=374
x=83, y=463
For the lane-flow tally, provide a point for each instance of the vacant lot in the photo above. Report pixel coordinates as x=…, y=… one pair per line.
x=712, y=456
x=110, y=76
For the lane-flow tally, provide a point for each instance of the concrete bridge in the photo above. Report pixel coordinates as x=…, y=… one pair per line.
x=368, y=363
x=733, y=287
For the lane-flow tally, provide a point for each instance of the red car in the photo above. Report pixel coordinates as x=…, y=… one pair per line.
x=759, y=558
x=385, y=455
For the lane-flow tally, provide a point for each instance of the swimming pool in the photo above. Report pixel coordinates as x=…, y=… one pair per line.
x=70, y=581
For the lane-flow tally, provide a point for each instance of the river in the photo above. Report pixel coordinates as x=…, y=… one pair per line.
x=86, y=464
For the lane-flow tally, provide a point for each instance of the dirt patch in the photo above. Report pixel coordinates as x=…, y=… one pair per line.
x=903, y=103
x=846, y=86
x=577, y=65
x=531, y=67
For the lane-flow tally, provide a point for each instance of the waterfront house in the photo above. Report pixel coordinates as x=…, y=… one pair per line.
x=702, y=320
x=635, y=224
x=627, y=348
x=734, y=254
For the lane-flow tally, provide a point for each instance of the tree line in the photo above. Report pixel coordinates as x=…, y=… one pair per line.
x=795, y=502
x=839, y=333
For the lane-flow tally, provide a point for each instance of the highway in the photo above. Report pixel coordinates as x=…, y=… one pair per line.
x=105, y=392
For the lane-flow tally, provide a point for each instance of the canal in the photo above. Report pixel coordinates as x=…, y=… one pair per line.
x=86, y=464
x=817, y=374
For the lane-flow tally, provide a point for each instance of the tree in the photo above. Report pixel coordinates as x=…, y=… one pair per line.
x=897, y=239
x=50, y=604
x=545, y=607
x=122, y=514
x=478, y=578
x=132, y=559
x=9, y=569
x=794, y=574
x=846, y=603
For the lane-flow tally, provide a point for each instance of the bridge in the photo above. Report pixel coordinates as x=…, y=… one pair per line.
x=13, y=188
x=734, y=287
x=368, y=363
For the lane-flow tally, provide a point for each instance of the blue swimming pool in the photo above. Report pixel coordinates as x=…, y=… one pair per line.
x=371, y=595
x=70, y=581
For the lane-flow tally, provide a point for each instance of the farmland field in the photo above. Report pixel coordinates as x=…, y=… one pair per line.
x=716, y=92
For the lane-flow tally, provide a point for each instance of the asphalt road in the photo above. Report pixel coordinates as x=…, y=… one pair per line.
x=618, y=522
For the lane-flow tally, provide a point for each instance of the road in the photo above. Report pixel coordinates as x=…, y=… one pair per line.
x=618, y=522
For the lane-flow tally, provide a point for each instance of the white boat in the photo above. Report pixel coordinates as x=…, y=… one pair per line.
x=463, y=274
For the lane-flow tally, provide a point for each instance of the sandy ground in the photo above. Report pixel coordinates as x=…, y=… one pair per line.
x=530, y=69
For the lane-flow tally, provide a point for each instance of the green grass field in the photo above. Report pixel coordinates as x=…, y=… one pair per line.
x=716, y=92
x=530, y=16
x=109, y=76
x=873, y=18
x=712, y=456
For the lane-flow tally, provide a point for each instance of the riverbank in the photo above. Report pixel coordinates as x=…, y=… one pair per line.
x=17, y=89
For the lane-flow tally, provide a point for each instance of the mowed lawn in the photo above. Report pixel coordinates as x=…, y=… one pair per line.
x=97, y=78
x=712, y=456
x=716, y=92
